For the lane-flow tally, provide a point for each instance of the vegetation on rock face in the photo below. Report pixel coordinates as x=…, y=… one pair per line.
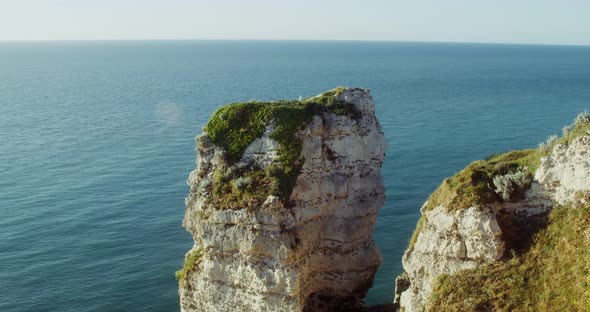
x=234, y=127
x=192, y=260
x=545, y=148
x=243, y=187
x=416, y=233
x=581, y=126
x=553, y=275
x=511, y=186
x=474, y=185
x=503, y=177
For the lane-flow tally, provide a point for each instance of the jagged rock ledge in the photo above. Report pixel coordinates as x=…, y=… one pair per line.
x=282, y=206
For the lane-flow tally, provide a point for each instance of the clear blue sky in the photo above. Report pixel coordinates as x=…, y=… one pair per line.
x=514, y=21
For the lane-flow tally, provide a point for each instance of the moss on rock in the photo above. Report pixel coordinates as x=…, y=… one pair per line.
x=414, y=238
x=190, y=262
x=235, y=126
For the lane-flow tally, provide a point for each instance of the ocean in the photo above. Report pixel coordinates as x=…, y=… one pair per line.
x=97, y=140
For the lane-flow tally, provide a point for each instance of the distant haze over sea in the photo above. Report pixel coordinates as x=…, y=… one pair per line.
x=97, y=140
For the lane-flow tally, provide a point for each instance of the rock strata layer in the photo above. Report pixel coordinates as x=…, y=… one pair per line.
x=313, y=252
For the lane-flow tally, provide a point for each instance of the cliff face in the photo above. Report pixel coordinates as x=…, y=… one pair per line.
x=490, y=208
x=285, y=223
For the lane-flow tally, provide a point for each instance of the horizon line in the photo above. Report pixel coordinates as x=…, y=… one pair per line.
x=291, y=40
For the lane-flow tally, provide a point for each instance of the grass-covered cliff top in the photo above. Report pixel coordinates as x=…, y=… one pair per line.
x=235, y=126
x=474, y=185
x=554, y=275
x=479, y=183
x=502, y=177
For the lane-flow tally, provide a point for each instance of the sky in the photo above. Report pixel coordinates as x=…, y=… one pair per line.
x=500, y=21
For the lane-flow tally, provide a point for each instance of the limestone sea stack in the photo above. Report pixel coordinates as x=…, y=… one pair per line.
x=282, y=206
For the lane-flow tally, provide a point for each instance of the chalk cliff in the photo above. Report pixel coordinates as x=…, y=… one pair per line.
x=282, y=206
x=488, y=210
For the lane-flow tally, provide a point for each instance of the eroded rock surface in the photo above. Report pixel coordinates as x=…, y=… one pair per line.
x=311, y=253
x=566, y=171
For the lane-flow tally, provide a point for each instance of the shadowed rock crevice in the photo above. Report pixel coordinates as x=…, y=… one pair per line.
x=518, y=231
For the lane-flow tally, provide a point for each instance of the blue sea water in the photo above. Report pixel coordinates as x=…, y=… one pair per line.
x=97, y=140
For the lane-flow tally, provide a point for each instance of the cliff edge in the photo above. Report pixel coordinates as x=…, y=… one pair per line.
x=282, y=206
x=489, y=237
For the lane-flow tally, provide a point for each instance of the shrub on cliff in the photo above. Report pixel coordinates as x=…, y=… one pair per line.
x=546, y=147
x=512, y=186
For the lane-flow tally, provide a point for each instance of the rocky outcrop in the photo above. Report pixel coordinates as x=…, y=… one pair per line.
x=311, y=251
x=453, y=238
x=566, y=171
x=448, y=242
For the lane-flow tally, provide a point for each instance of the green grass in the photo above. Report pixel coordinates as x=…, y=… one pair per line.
x=474, y=184
x=235, y=126
x=553, y=275
x=414, y=238
x=190, y=262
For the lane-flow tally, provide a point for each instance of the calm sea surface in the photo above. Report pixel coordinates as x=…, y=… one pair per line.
x=97, y=140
